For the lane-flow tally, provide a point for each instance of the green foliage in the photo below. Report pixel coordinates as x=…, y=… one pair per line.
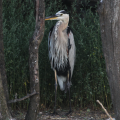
x=89, y=81
x=89, y=78
x=18, y=23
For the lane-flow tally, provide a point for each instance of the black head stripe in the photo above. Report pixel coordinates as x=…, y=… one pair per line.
x=63, y=11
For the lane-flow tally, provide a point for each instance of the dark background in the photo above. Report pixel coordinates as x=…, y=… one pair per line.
x=89, y=81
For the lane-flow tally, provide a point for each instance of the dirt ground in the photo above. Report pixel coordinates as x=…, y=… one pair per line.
x=86, y=114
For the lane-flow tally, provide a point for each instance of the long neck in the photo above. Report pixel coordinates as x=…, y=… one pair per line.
x=60, y=26
x=60, y=44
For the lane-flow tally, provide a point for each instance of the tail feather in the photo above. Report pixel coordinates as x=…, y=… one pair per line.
x=62, y=82
x=64, y=85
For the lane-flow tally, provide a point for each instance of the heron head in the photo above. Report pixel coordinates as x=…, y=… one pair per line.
x=60, y=15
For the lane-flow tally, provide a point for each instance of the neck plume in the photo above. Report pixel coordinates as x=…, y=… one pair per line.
x=58, y=49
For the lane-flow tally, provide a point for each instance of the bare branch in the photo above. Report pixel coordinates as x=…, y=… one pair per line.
x=104, y=109
x=20, y=99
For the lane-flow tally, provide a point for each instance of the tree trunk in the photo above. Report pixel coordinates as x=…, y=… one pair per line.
x=4, y=112
x=109, y=12
x=33, y=60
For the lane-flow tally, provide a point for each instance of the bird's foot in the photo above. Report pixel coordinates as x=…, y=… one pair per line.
x=54, y=113
x=70, y=111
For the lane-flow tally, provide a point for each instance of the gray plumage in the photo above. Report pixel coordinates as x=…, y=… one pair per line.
x=58, y=46
x=62, y=51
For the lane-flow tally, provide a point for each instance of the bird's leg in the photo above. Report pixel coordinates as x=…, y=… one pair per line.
x=69, y=79
x=55, y=113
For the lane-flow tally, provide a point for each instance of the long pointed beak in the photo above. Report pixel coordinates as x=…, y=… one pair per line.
x=53, y=17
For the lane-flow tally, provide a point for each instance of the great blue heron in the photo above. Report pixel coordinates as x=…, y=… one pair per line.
x=62, y=52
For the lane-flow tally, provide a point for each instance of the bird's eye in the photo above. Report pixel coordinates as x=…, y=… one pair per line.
x=61, y=14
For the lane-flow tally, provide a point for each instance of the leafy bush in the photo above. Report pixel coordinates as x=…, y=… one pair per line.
x=89, y=81
x=18, y=23
x=89, y=77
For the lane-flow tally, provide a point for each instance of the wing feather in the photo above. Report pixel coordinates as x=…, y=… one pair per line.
x=49, y=46
x=72, y=51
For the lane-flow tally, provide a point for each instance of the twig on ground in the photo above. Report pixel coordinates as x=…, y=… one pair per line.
x=104, y=110
x=20, y=99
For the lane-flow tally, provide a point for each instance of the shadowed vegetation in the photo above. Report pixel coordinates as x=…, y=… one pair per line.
x=89, y=81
